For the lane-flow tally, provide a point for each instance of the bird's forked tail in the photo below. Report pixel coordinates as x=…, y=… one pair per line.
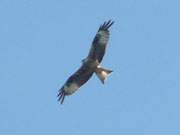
x=102, y=73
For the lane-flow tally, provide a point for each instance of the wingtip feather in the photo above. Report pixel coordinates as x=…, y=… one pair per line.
x=61, y=95
x=106, y=25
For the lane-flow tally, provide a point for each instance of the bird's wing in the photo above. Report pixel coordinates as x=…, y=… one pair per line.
x=100, y=41
x=80, y=77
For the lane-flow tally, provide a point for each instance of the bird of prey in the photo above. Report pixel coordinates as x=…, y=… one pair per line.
x=90, y=65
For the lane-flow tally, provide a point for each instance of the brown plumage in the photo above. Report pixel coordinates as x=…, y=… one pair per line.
x=90, y=65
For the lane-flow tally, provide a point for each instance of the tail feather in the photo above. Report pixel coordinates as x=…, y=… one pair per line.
x=102, y=73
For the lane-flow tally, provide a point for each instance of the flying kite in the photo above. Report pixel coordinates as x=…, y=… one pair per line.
x=90, y=65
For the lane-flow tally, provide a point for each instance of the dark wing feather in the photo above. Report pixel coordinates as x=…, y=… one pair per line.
x=80, y=77
x=100, y=41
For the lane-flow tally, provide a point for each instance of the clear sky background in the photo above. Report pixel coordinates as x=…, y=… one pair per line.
x=42, y=42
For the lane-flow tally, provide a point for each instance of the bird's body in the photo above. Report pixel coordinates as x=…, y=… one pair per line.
x=90, y=65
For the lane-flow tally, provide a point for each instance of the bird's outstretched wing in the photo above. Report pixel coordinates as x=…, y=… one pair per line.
x=100, y=41
x=80, y=77
x=95, y=56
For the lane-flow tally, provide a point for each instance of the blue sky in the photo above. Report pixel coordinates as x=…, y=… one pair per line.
x=43, y=42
